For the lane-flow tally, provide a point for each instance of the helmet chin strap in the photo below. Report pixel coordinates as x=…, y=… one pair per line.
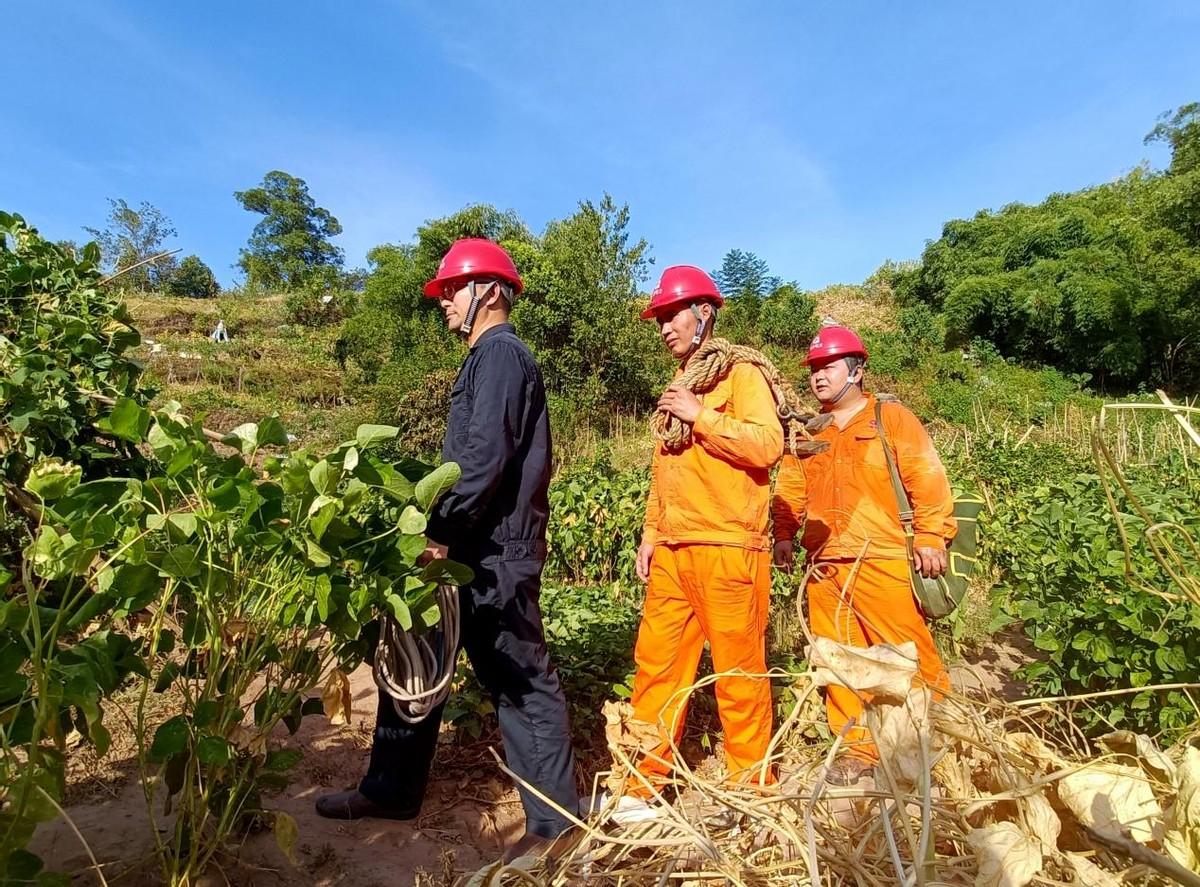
x=699, y=334
x=842, y=393
x=473, y=309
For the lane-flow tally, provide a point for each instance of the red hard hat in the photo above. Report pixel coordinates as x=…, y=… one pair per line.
x=679, y=285
x=835, y=341
x=472, y=258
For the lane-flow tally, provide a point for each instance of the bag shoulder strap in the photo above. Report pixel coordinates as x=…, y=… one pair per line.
x=905, y=507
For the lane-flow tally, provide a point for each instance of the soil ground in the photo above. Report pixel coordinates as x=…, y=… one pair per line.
x=471, y=812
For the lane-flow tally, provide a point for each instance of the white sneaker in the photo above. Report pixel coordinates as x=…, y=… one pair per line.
x=627, y=811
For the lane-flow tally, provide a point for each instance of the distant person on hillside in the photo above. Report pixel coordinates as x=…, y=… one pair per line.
x=704, y=554
x=845, y=502
x=493, y=520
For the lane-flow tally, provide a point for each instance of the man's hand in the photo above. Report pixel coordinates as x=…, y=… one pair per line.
x=930, y=562
x=784, y=555
x=644, y=553
x=434, y=551
x=680, y=402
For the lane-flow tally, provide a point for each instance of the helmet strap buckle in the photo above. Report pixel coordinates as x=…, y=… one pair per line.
x=700, y=325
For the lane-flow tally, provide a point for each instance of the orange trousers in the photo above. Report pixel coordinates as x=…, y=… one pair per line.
x=877, y=608
x=696, y=592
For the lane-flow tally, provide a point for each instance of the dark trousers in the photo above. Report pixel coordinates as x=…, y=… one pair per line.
x=502, y=634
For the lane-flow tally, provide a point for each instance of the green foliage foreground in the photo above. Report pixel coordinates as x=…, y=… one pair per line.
x=252, y=575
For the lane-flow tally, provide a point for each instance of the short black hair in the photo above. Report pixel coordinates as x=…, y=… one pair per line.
x=853, y=362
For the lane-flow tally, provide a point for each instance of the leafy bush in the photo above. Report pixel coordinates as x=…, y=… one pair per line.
x=192, y=279
x=1089, y=610
x=788, y=318
x=235, y=565
x=319, y=305
x=597, y=525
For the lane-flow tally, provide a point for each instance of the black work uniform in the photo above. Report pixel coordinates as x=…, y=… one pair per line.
x=494, y=520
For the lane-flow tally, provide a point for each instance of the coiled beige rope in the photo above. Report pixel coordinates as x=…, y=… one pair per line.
x=711, y=362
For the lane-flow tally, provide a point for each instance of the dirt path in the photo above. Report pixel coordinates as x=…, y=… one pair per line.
x=470, y=814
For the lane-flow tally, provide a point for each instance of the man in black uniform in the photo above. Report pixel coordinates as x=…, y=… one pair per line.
x=493, y=520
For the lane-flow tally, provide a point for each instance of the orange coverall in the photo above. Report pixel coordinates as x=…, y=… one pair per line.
x=710, y=575
x=845, y=501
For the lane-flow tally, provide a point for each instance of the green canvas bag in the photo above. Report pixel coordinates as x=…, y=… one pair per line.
x=938, y=597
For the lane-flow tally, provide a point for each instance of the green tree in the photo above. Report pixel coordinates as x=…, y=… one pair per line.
x=1104, y=281
x=788, y=318
x=578, y=312
x=395, y=328
x=193, y=279
x=132, y=236
x=1181, y=130
x=290, y=245
x=742, y=273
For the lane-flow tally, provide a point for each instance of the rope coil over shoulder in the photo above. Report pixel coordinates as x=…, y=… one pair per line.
x=416, y=670
x=711, y=362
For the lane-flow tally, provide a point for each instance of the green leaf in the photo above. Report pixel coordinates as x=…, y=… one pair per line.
x=447, y=572
x=23, y=866
x=135, y=585
x=213, y=750
x=182, y=562
x=271, y=433
x=322, y=511
x=317, y=555
x=368, y=436
x=322, y=589
x=166, y=677
x=128, y=421
x=283, y=760
x=184, y=522
x=223, y=494
x=46, y=553
x=170, y=739
x=432, y=486
x=244, y=437
x=52, y=479
x=400, y=611
x=412, y=521
x=323, y=477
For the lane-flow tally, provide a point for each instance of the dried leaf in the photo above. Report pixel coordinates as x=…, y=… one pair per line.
x=1034, y=748
x=1042, y=821
x=885, y=671
x=1182, y=838
x=1111, y=798
x=286, y=833
x=1007, y=856
x=897, y=730
x=953, y=774
x=1088, y=874
x=335, y=697
x=1143, y=750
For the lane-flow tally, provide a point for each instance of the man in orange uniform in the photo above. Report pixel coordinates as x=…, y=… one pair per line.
x=845, y=500
x=705, y=548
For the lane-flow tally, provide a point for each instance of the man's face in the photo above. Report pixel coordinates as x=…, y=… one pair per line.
x=456, y=302
x=677, y=327
x=828, y=378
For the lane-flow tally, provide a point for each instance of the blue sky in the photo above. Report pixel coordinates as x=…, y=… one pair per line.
x=826, y=137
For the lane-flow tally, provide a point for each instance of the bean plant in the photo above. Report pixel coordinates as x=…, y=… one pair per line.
x=139, y=545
